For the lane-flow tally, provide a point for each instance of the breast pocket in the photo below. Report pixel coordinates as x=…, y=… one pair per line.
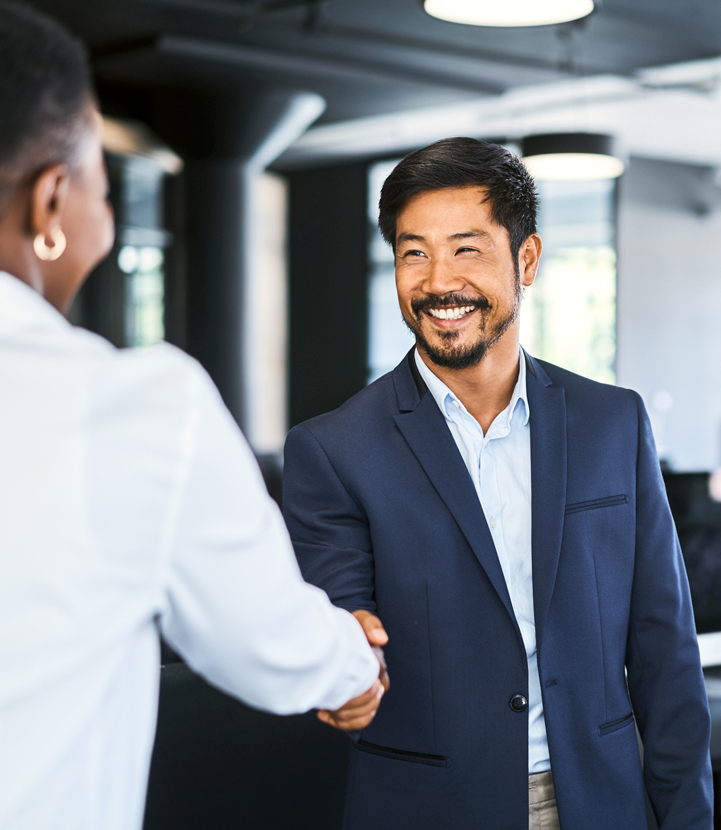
x=615, y=725
x=596, y=504
x=402, y=754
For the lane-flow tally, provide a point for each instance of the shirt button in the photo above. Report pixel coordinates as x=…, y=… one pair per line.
x=492, y=522
x=518, y=703
x=456, y=404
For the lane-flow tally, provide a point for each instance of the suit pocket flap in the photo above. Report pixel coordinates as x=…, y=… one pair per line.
x=615, y=725
x=595, y=504
x=402, y=754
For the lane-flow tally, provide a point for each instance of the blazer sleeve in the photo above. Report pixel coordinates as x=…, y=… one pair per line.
x=327, y=524
x=664, y=670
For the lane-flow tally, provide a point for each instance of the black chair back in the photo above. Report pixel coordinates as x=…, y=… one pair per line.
x=220, y=765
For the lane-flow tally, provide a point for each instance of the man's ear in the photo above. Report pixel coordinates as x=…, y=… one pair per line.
x=528, y=258
x=48, y=198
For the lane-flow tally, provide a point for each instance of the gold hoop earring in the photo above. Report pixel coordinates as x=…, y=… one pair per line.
x=49, y=253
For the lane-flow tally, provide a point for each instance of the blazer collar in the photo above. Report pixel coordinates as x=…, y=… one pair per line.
x=549, y=472
x=411, y=388
x=424, y=428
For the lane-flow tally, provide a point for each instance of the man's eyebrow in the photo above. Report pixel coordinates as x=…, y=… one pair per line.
x=474, y=233
x=410, y=237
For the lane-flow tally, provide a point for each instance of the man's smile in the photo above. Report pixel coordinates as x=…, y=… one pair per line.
x=451, y=313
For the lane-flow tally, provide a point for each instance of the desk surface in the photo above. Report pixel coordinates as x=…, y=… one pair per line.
x=712, y=678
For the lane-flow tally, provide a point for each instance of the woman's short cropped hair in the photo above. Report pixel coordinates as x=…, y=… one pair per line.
x=465, y=162
x=45, y=87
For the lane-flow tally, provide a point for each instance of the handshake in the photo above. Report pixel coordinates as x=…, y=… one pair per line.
x=360, y=711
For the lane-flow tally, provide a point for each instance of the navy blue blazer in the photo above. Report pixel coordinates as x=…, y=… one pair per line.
x=384, y=516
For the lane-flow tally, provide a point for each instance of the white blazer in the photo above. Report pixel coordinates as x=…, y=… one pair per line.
x=128, y=497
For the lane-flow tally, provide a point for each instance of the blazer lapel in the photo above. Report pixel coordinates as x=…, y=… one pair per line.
x=426, y=432
x=548, y=486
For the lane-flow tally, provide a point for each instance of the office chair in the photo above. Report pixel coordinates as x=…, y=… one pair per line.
x=220, y=765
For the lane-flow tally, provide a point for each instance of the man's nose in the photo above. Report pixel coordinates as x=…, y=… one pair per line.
x=442, y=277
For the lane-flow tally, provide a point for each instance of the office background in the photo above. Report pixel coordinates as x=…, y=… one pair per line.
x=247, y=140
x=276, y=114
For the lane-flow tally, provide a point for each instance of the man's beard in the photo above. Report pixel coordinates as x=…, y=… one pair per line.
x=452, y=356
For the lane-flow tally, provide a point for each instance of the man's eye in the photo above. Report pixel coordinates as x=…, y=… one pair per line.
x=465, y=250
x=412, y=253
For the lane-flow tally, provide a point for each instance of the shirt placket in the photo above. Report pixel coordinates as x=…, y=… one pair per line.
x=492, y=504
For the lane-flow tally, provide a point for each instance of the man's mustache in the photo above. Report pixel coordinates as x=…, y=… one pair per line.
x=420, y=304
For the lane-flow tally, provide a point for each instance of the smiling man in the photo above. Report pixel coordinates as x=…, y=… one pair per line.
x=502, y=523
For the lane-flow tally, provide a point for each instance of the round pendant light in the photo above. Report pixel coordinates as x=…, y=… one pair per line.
x=509, y=12
x=571, y=157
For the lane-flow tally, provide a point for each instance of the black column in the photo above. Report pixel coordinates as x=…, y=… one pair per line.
x=214, y=276
x=328, y=288
x=224, y=140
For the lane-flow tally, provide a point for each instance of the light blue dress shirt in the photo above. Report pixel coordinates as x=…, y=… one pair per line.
x=499, y=464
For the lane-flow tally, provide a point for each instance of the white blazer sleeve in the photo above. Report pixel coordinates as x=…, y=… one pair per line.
x=236, y=606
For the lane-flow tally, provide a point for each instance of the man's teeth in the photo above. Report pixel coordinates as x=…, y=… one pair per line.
x=451, y=313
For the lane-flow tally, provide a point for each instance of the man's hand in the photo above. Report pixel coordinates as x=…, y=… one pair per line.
x=377, y=637
x=357, y=713
x=372, y=627
x=360, y=711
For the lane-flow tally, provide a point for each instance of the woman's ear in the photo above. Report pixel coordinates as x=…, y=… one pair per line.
x=47, y=202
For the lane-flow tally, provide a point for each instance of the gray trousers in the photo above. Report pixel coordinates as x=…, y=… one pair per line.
x=542, y=813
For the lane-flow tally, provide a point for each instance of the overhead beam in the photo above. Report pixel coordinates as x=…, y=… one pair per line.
x=275, y=60
x=432, y=48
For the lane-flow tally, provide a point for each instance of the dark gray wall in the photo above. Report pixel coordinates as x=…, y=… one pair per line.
x=328, y=257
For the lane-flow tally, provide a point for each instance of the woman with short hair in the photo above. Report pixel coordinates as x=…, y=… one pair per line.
x=128, y=498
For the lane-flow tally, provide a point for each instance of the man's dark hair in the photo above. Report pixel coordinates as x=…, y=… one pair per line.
x=464, y=162
x=45, y=87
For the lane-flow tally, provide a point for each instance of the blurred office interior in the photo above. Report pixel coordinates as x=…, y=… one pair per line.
x=246, y=143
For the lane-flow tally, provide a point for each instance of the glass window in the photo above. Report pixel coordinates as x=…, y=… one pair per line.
x=124, y=298
x=388, y=337
x=569, y=314
x=144, y=294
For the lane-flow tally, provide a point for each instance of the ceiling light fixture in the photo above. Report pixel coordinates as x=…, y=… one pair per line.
x=571, y=157
x=509, y=12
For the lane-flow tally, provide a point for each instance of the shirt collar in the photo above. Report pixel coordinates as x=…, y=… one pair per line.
x=442, y=394
x=21, y=305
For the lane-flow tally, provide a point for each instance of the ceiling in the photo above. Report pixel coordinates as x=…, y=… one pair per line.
x=375, y=57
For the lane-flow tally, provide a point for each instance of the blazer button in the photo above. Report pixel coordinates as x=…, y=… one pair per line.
x=518, y=703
